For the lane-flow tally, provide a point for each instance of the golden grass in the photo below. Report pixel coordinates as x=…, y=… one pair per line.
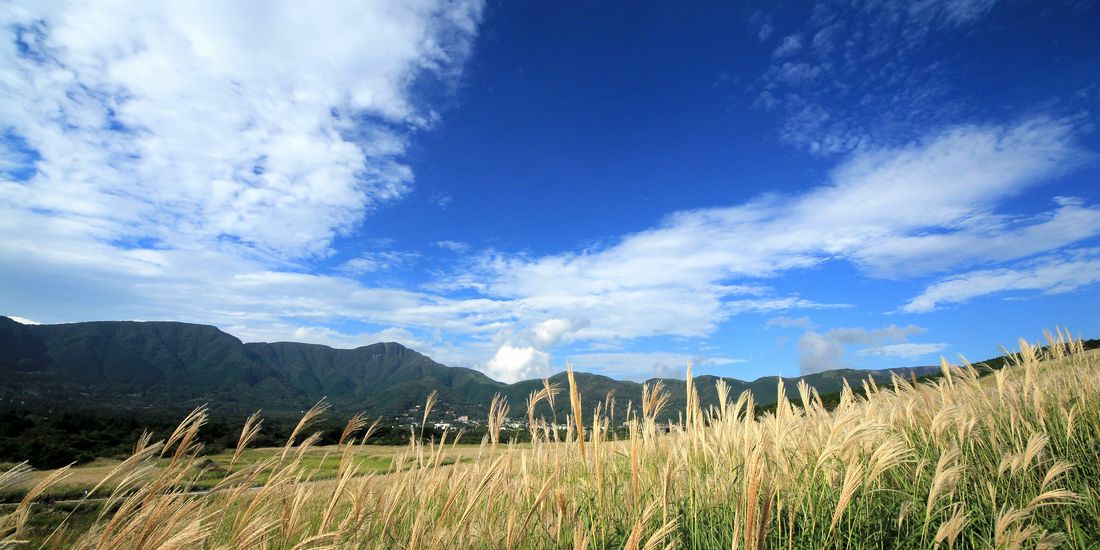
x=1009, y=460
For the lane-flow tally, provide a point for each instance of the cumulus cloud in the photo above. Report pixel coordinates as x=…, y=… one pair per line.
x=825, y=351
x=512, y=364
x=817, y=353
x=551, y=332
x=208, y=124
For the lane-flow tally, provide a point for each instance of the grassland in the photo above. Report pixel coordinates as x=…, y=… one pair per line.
x=323, y=463
x=1008, y=460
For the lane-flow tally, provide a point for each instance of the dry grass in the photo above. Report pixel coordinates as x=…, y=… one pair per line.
x=1010, y=460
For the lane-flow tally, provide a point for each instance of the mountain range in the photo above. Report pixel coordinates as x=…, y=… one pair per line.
x=169, y=367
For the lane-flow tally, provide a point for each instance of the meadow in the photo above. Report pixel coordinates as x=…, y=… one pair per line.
x=322, y=461
x=1008, y=459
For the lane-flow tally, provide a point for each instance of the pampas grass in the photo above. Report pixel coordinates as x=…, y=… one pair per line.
x=1009, y=460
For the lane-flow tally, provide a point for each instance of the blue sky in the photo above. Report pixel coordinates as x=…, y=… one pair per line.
x=760, y=188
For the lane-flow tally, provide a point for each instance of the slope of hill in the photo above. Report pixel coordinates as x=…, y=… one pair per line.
x=173, y=366
x=170, y=366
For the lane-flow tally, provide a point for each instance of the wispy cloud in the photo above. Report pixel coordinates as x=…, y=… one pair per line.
x=788, y=322
x=984, y=238
x=319, y=334
x=453, y=246
x=850, y=76
x=790, y=44
x=877, y=212
x=761, y=24
x=440, y=199
x=370, y=262
x=905, y=212
x=642, y=366
x=906, y=350
x=1050, y=274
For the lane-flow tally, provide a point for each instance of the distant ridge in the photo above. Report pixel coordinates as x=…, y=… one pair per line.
x=171, y=366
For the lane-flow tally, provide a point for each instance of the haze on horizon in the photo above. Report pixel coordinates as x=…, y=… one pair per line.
x=761, y=189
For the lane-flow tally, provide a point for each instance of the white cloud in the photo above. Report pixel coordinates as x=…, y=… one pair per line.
x=1051, y=274
x=319, y=334
x=641, y=366
x=454, y=246
x=441, y=200
x=685, y=276
x=790, y=45
x=984, y=238
x=22, y=320
x=859, y=78
x=783, y=321
x=550, y=332
x=512, y=364
x=824, y=40
x=765, y=305
x=960, y=12
x=907, y=350
x=370, y=262
x=819, y=352
x=762, y=25
x=206, y=124
x=797, y=73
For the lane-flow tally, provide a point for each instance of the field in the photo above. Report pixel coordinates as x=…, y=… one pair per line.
x=323, y=463
x=1006, y=460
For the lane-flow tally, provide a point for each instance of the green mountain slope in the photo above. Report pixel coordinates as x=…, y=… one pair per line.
x=175, y=366
x=169, y=367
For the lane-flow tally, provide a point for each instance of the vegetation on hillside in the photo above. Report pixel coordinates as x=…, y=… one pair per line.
x=107, y=368
x=1009, y=460
x=158, y=367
